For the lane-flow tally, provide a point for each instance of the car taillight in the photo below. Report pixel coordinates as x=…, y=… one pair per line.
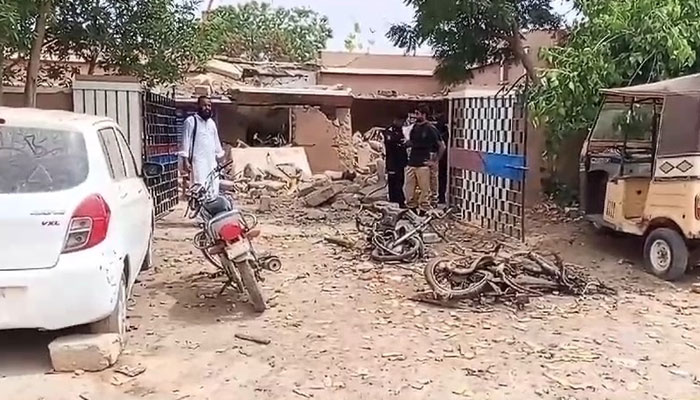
x=88, y=225
x=231, y=232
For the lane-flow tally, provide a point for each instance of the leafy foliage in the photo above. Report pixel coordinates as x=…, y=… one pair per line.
x=81, y=29
x=156, y=40
x=635, y=124
x=16, y=24
x=619, y=43
x=259, y=32
x=352, y=41
x=463, y=33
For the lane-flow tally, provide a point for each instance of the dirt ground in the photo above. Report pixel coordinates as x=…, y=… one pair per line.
x=343, y=328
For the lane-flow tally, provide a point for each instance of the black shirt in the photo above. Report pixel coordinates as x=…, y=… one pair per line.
x=444, y=131
x=424, y=139
x=396, y=157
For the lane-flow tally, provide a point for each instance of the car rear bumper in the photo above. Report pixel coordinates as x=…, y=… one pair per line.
x=82, y=288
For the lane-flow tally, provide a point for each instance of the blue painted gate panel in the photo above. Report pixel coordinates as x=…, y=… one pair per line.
x=487, y=161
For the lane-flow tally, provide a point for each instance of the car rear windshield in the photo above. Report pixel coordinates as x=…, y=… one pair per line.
x=36, y=160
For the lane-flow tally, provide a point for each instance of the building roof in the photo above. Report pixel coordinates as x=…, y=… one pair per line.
x=335, y=59
x=377, y=71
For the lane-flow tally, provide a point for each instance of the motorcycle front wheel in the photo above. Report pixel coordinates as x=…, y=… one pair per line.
x=255, y=296
x=212, y=259
x=230, y=271
x=447, y=286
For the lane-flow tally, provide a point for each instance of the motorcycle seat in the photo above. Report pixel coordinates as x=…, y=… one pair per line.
x=217, y=206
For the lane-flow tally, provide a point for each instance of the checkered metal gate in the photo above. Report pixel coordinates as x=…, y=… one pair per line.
x=487, y=161
x=161, y=132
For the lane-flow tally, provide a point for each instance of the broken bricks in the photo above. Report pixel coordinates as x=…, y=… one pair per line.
x=321, y=196
x=265, y=204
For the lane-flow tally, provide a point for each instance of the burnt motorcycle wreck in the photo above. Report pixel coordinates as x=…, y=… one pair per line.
x=397, y=235
x=508, y=277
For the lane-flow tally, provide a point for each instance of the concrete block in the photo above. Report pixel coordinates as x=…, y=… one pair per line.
x=352, y=188
x=334, y=175
x=265, y=204
x=85, y=352
x=320, y=196
x=340, y=205
x=305, y=188
x=350, y=199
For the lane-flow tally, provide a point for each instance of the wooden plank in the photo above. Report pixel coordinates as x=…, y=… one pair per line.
x=111, y=103
x=79, y=101
x=100, y=103
x=123, y=114
x=135, y=126
x=89, y=102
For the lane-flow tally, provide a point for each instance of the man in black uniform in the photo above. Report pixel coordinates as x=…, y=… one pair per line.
x=426, y=149
x=444, y=130
x=396, y=159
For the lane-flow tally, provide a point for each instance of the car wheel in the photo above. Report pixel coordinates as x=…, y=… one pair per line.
x=116, y=321
x=148, y=258
x=666, y=254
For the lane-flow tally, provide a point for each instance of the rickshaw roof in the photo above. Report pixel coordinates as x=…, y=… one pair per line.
x=685, y=85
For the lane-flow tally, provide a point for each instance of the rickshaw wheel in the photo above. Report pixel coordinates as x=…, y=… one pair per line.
x=666, y=254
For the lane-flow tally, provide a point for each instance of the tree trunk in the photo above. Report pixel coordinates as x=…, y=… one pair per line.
x=35, y=55
x=92, y=63
x=516, y=45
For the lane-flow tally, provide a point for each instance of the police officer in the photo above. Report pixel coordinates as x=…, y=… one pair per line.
x=396, y=160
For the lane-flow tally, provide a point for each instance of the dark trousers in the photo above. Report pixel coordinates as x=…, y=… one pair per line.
x=395, y=180
x=442, y=182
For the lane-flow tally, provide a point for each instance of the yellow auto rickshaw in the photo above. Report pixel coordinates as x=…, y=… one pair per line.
x=640, y=170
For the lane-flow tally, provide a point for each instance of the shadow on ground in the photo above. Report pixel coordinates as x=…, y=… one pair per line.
x=199, y=300
x=26, y=352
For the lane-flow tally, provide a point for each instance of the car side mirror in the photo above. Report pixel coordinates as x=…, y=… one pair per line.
x=152, y=170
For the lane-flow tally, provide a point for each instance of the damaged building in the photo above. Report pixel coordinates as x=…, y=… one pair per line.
x=319, y=106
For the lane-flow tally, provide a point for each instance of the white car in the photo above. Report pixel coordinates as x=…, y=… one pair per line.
x=76, y=221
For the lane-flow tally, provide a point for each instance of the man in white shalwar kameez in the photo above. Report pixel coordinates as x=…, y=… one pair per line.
x=201, y=148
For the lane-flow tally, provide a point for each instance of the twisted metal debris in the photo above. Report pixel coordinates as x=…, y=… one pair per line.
x=513, y=277
x=395, y=235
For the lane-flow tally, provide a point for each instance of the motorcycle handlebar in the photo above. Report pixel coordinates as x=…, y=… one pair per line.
x=224, y=166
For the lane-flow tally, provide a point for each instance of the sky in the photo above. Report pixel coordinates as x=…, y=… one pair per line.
x=374, y=16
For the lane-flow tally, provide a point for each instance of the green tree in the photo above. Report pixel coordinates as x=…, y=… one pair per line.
x=44, y=12
x=352, y=41
x=155, y=40
x=82, y=29
x=463, y=33
x=619, y=43
x=12, y=39
x=260, y=32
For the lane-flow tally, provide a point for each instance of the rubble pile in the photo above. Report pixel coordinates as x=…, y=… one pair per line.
x=369, y=148
x=340, y=190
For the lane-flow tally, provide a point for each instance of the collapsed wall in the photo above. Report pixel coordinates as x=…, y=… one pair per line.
x=328, y=142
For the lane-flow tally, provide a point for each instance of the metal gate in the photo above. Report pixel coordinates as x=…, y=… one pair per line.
x=161, y=133
x=487, y=160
